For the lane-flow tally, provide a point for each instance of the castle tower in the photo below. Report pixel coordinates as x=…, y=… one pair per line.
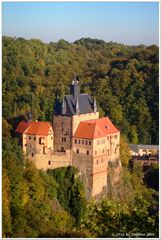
x=69, y=113
x=95, y=150
x=93, y=142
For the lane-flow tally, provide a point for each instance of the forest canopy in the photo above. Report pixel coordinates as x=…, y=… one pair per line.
x=125, y=81
x=123, y=78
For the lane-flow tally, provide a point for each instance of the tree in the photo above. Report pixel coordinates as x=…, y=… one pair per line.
x=71, y=194
x=124, y=152
x=6, y=198
x=110, y=219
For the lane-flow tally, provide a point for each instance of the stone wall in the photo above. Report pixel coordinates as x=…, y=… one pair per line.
x=108, y=145
x=99, y=182
x=84, y=164
x=34, y=144
x=62, y=132
x=94, y=166
x=52, y=160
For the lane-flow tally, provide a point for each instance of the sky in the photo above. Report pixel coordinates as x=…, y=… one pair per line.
x=131, y=23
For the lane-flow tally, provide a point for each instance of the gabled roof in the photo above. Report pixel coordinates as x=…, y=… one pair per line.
x=75, y=103
x=34, y=128
x=22, y=126
x=97, y=128
x=84, y=102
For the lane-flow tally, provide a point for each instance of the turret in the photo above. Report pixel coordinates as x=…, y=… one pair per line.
x=77, y=107
x=75, y=89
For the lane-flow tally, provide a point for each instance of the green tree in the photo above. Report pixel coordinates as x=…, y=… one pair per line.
x=6, y=198
x=71, y=194
x=124, y=152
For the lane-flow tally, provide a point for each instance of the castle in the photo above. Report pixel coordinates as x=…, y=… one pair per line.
x=77, y=137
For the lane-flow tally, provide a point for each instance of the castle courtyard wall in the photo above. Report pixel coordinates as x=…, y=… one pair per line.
x=52, y=160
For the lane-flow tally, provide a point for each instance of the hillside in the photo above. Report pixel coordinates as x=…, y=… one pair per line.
x=124, y=80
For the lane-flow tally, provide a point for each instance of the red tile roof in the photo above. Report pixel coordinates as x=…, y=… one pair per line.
x=34, y=128
x=97, y=128
x=22, y=126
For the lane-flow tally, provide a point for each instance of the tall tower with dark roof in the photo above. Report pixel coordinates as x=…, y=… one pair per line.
x=74, y=108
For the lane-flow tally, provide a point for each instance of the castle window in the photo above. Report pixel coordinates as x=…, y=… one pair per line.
x=83, y=142
x=96, y=161
x=64, y=139
x=78, y=141
x=87, y=152
x=77, y=151
x=51, y=138
x=29, y=137
x=49, y=162
x=62, y=129
x=103, y=141
x=107, y=138
x=75, y=141
x=95, y=152
x=35, y=138
x=89, y=142
x=103, y=151
x=32, y=154
x=62, y=149
x=115, y=150
x=115, y=136
x=86, y=142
